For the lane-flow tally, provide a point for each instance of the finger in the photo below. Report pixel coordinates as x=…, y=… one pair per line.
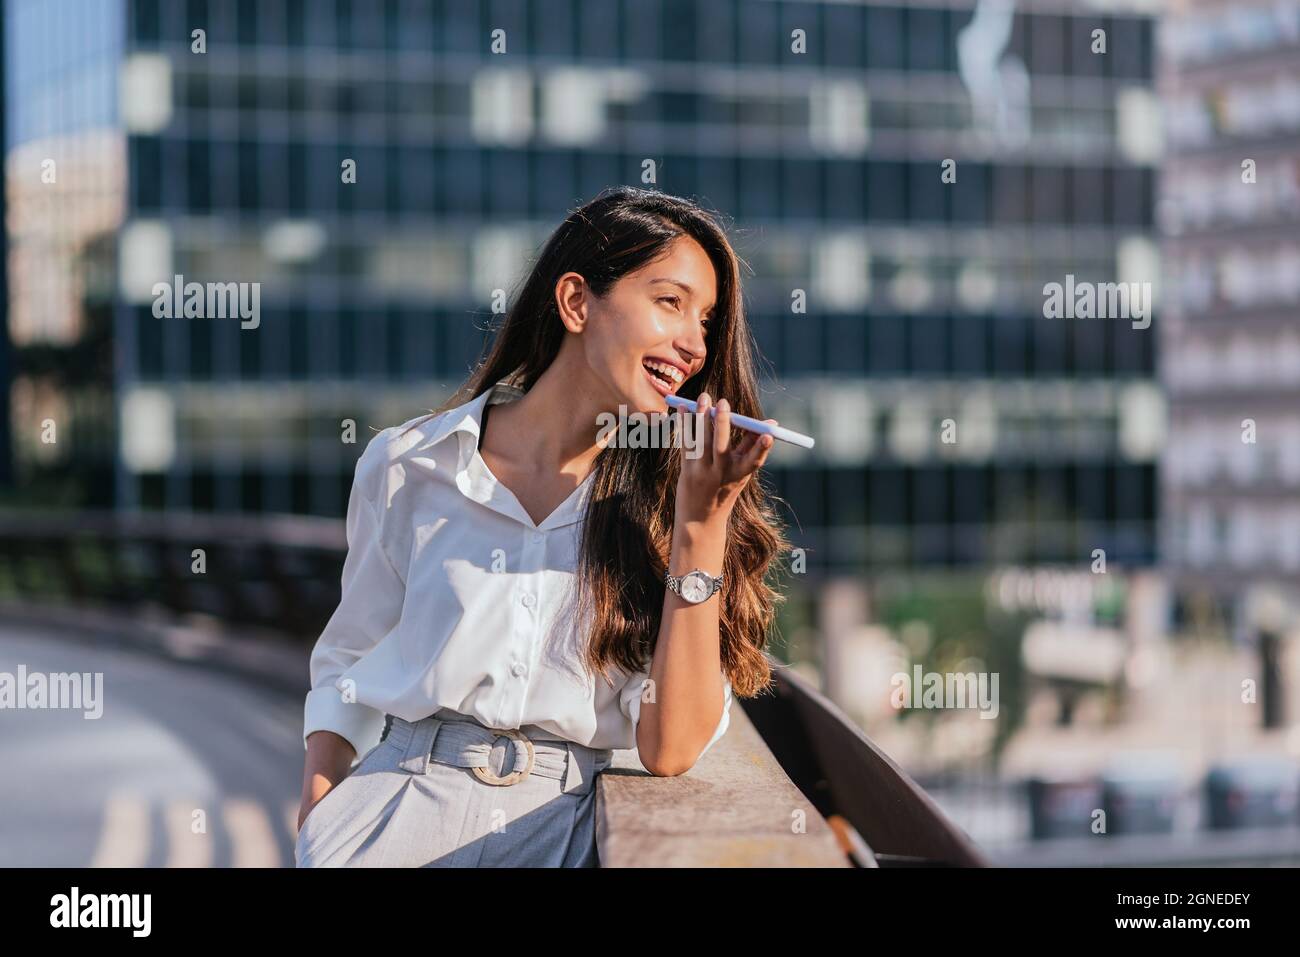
x=746, y=445
x=688, y=436
x=759, y=452
x=722, y=428
x=707, y=426
x=745, y=441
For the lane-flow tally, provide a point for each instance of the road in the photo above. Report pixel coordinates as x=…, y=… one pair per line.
x=185, y=767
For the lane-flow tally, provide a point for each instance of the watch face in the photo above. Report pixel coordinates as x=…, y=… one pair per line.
x=695, y=588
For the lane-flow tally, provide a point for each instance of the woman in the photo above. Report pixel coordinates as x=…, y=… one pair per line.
x=504, y=551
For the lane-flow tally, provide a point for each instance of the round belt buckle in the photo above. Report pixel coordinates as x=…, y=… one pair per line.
x=488, y=777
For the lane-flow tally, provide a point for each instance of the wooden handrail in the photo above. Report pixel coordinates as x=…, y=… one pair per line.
x=845, y=775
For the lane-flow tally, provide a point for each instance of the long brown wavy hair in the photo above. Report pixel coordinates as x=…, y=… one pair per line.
x=627, y=538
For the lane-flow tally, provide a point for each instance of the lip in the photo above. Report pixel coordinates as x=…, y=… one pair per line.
x=665, y=388
x=675, y=363
x=662, y=387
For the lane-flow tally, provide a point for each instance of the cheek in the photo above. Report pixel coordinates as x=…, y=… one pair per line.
x=627, y=334
x=657, y=326
x=621, y=332
x=638, y=319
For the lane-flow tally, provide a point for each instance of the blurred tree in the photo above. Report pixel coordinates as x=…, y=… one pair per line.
x=963, y=623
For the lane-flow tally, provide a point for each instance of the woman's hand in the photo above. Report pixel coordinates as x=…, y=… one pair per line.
x=306, y=808
x=328, y=761
x=716, y=470
x=320, y=786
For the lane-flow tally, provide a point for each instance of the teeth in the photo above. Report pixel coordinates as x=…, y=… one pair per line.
x=672, y=372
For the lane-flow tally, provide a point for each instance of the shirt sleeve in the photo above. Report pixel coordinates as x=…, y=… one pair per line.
x=370, y=607
x=630, y=702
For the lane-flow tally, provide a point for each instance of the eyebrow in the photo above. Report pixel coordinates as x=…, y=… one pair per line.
x=688, y=290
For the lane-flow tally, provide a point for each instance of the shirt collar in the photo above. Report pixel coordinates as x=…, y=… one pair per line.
x=474, y=480
x=466, y=419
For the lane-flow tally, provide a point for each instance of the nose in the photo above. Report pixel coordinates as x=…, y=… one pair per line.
x=690, y=345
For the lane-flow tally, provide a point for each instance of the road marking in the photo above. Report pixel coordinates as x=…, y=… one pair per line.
x=252, y=839
x=124, y=837
x=185, y=848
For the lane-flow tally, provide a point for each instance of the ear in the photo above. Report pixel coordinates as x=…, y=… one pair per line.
x=571, y=299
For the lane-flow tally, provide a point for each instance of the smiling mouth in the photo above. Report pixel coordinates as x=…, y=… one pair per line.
x=662, y=381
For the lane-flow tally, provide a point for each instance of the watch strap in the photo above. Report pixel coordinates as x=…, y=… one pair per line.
x=674, y=582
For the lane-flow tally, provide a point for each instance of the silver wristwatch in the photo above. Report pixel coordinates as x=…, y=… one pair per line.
x=695, y=586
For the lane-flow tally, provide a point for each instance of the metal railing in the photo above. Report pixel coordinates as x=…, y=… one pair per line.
x=279, y=572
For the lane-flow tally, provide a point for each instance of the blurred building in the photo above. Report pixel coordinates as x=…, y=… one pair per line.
x=6, y=452
x=897, y=296
x=65, y=189
x=1230, y=215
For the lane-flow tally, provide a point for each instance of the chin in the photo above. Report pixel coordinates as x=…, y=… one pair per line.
x=647, y=407
x=646, y=397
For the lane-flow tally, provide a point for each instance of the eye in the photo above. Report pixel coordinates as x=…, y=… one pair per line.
x=675, y=300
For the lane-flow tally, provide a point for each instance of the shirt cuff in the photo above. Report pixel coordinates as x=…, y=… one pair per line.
x=325, y=710
x=724, y=722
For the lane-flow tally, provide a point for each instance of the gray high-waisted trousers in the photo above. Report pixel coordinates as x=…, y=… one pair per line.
x=422, y=798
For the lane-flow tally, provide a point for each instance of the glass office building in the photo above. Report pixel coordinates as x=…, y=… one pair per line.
x=903, y=181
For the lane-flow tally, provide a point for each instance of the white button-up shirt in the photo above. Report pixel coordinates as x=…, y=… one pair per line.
x=453, y=597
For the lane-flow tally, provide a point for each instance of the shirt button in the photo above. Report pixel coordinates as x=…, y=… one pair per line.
x=528, y=600
x=517, y=669
x=537, y=536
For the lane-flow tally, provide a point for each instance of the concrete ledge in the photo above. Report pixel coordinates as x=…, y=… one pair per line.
x=735, y=808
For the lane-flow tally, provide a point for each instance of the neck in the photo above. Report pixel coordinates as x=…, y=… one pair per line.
x=551, y=428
